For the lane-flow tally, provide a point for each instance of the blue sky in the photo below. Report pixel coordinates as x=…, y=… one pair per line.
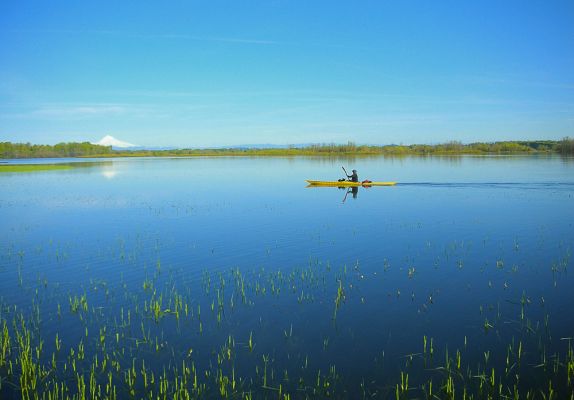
x=213, y=73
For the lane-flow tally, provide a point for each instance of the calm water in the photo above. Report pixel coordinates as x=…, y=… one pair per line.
x=233, y=269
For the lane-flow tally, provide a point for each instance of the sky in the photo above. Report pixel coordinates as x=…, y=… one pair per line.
x=217, y=73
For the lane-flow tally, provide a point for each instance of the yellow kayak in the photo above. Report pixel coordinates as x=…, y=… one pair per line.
x=348, y=183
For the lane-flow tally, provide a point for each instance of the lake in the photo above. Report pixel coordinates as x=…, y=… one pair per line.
x=228, y=277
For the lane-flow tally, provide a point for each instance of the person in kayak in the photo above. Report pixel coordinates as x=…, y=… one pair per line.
x=353, y=177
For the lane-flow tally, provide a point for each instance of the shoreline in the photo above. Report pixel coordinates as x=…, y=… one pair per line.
x=565, y=146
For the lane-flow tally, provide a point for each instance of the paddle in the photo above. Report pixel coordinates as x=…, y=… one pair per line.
x=345, y=198
x=346, y=174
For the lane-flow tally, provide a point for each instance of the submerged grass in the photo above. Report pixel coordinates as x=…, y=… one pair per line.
x=149, y=339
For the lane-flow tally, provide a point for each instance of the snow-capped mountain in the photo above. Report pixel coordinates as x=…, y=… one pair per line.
x=112, y=141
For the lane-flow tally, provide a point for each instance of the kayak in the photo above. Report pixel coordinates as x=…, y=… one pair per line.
x=348, y=183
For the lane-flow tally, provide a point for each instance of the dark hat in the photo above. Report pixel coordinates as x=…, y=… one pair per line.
x=354, y=170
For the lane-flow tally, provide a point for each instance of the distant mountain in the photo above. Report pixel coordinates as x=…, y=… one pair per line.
x=234, y=147
x=115, y=143
x=150, y=148
x=265, y=146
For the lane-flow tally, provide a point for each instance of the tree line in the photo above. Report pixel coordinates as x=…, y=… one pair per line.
x=564, y=146
x=27, y=150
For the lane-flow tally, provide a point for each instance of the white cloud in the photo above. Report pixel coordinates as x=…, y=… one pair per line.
x=78, y=111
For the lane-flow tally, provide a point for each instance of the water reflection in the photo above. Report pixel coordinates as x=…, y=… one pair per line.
x=109, y=172
x=353, y=190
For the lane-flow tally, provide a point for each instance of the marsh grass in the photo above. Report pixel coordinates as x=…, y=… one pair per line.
x=167, y=334
x=33, y=168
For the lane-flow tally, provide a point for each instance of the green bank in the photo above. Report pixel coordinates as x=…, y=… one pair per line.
x=565, y=146
x=33, y=167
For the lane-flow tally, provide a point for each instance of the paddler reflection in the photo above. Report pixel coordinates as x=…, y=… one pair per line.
x=354, y=190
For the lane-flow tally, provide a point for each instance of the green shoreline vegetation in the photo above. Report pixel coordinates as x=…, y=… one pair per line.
x=565, y=146
x=33, y=167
